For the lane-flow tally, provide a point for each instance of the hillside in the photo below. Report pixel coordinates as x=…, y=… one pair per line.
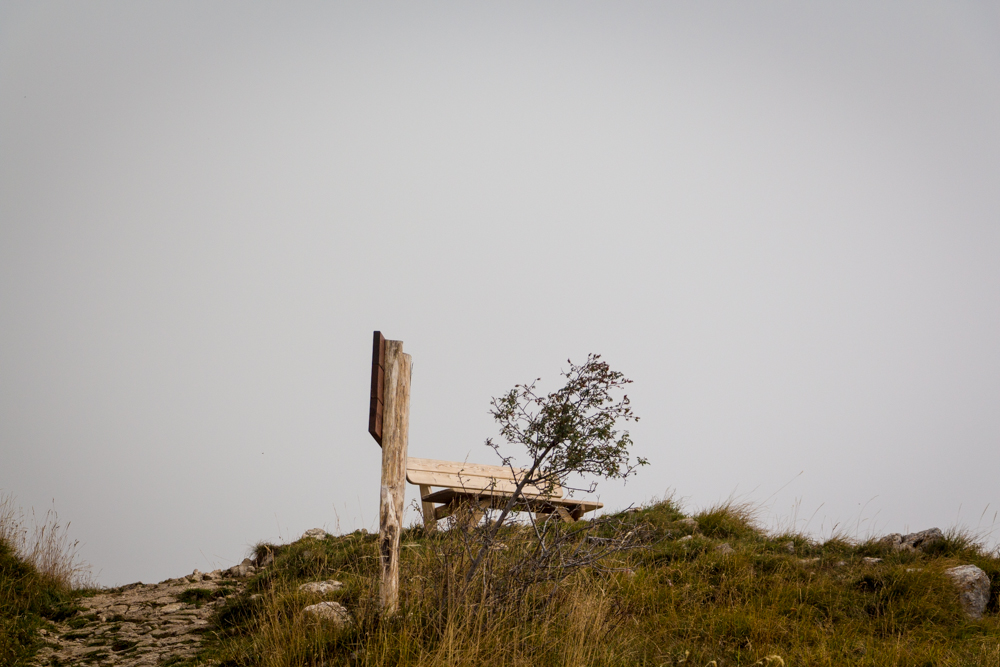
x=711, y=589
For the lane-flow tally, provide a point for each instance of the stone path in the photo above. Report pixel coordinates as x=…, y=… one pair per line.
x=142, y=624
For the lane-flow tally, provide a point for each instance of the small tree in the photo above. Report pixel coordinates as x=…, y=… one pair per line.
x=572, y=430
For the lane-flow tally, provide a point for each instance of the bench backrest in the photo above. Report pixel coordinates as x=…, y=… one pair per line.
x=470, y=477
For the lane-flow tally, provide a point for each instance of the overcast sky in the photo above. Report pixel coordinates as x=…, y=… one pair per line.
x=781, y=220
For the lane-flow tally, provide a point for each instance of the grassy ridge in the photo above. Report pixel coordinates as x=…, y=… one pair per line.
x=36, y=582
x=672, y=601
x=28, y=599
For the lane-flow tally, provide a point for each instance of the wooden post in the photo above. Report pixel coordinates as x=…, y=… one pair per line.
x=395, y=425
x=430, y=521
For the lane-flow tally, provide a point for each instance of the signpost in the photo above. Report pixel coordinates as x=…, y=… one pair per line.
x=388, y=423
x=377, y=404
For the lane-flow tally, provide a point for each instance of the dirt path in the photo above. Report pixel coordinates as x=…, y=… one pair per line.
x=141, y=624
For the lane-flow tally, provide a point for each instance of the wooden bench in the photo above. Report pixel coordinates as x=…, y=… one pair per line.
x=483, y=487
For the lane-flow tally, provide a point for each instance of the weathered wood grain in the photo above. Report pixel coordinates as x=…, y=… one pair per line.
x=471, y=477
x=395, y=427
x=427, y=509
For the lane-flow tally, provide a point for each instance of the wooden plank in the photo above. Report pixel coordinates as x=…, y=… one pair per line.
x=539, y=504
x=468, y=483
x=395, y=427
x=446, y=494
x=430, y=472
x=443, y=512
x=451, y=467
x=427, y=509
x=566, y=516
x=376, y=404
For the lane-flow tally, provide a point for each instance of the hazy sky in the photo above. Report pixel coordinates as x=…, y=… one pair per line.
x=781, y=220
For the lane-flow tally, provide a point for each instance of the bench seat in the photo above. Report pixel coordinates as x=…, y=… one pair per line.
x=484, y=487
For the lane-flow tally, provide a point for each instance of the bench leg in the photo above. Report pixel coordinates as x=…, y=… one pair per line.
x=479, y=512
x=566, y=516
x=430, y=521
x=468, y=513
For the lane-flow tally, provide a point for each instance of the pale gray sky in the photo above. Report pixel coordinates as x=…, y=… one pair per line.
x=781, y=220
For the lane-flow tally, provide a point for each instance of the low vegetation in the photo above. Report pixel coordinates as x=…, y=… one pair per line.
x=39, y=580
x=711, y=589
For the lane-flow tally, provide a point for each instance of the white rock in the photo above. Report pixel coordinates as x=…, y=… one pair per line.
x=868, y=560
x=914, y=541
x=331, y=611
x=321, y=587
x=974, y=588
x=685, y=538
x=244, y=569
x=690, y=523
x=724, y=548
x=318, y=533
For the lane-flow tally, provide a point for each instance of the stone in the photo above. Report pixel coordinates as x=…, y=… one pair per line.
x=868, y=560
x=148, y=619
x=913, y=541
x=689, y=523
x=790, y=547
x=330, y=611
x=973, y=588
x=317, y=533
x=244, y=569
x=724, y=548
x=685, y=538
x=321, y=587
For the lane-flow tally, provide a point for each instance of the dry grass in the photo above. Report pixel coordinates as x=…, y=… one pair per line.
x=39, y=570
x=45, y=545
x=674, y=601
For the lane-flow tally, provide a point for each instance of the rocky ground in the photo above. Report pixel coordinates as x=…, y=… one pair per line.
x=142, y=624
x=163, y=624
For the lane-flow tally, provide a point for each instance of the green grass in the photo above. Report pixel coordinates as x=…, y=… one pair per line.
x=675, y=599
x=671, y=601
x=40, y=580
x=199, y=596
x=28, y=600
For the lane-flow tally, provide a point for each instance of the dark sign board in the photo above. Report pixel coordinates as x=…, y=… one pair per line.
x=378, y=388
